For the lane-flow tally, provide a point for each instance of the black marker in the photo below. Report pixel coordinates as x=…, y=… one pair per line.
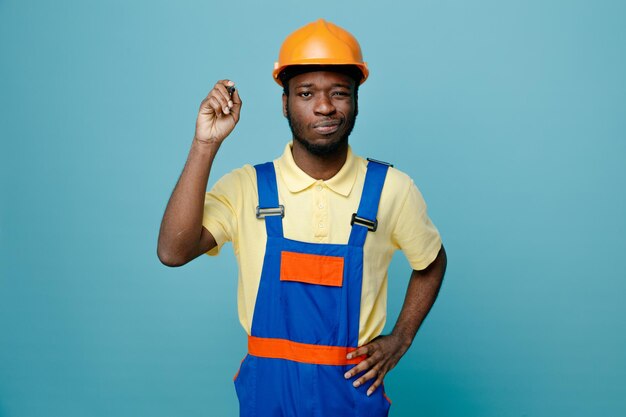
x=231, y=89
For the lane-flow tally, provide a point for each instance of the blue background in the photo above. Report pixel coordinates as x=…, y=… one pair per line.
x=509, y=115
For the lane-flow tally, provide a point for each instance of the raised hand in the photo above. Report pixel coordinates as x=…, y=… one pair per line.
x=219, y=113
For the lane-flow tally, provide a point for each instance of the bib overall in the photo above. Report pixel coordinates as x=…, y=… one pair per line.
x=306, y=317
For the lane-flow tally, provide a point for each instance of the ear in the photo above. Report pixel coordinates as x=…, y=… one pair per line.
x=284, y=105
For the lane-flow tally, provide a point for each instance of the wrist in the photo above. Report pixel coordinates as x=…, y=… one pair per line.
x=205, y=147
x=404, y=339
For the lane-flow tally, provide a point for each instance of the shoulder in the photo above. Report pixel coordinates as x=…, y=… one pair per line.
x=399, y=194
x=239, y=178
x=396, y=181
x=400, y=188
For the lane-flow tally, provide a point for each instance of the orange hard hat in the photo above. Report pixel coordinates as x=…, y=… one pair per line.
x=320, y=43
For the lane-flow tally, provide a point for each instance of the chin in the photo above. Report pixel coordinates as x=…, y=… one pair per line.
x=323, y=147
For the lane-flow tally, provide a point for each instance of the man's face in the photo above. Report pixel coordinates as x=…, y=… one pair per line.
x=321, y=109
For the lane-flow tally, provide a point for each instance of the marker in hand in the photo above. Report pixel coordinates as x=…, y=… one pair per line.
x=231, y=90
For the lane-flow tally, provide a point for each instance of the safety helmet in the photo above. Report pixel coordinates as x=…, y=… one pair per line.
x=320, y=43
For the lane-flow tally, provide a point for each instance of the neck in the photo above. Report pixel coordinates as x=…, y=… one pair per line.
x=319, y=167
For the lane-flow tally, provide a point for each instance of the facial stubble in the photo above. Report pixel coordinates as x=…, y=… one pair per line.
x=297, y=130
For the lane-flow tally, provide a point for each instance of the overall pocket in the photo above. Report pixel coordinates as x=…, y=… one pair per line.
x=311, y=293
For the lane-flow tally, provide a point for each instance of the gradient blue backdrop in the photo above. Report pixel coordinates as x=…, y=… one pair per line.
x=510, y=116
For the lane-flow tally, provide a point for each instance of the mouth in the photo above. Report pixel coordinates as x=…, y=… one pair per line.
x=327, y=127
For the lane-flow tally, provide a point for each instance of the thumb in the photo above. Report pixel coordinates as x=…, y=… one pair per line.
x=236, y=109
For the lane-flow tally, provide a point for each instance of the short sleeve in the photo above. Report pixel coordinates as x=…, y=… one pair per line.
x=219, y=215
x=414, y=233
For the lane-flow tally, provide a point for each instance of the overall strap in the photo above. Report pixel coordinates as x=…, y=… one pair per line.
x=268, y=207
x=364, y=219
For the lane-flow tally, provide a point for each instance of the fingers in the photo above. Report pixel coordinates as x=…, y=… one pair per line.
x=374, y=369
x=381, y=357
x=360, y=367
x=375, y=385
x=221, y=93
x=214, y=105
x=372, y=365
x=236, y=103
x=235, y=96
x=372, y=373
x=219, y=101
x=361, y=351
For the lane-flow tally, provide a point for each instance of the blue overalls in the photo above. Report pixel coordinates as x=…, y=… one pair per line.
x=306, y=317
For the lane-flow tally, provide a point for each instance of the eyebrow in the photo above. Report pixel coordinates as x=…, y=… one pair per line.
x=308, y=85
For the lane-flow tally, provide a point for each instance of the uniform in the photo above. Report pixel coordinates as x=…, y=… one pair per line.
x=316, y=297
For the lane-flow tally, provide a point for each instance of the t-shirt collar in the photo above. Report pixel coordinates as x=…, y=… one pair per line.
x=298, y=180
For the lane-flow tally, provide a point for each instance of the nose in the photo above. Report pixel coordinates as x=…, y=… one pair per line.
x=324, y=105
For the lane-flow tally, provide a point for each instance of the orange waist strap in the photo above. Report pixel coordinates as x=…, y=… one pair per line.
x=300, y=352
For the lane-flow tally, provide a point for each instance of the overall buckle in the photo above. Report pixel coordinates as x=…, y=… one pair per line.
x=371, y=225
x=261, y=213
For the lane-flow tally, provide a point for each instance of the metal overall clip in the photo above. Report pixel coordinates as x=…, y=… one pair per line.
x=371, y=225
x=261, y=213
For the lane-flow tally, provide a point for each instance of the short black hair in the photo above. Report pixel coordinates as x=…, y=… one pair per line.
x=291, y=71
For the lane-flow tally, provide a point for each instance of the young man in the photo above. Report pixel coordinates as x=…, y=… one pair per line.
x=314, y=233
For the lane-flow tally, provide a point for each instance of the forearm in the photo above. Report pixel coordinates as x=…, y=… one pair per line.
x=420, y=296
x=181, y=229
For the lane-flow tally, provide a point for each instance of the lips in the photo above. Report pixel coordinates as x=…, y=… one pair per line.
x=327, y=127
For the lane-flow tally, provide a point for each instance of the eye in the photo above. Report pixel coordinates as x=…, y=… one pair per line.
x=341, y=94
x=304, y=94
